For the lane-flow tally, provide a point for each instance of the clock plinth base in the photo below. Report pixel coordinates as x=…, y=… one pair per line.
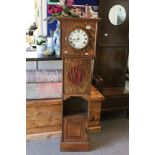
x=74, y=146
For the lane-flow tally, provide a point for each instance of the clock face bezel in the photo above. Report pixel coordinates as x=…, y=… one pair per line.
x=77, y=49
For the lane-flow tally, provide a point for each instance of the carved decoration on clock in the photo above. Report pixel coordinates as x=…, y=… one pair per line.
x=76, y=75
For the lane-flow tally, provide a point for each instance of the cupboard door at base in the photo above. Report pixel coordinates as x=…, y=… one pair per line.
x=75, y=129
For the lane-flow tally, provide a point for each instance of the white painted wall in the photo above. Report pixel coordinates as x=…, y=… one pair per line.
x=30, y=15
x=42, y=16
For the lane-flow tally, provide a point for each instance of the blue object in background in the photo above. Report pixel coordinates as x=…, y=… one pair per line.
x=51, y=27
x=84, y=2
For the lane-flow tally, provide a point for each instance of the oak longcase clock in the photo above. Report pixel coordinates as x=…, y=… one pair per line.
x=78, y=48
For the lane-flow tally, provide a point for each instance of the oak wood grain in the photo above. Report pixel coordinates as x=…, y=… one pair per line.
x=50, y=114
x=68, y=25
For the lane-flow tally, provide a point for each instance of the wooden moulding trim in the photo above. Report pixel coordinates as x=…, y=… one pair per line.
x=43, y=135
x=96, y=95
x=81, y=57
x=43, y=102
x=86, y=97
x=116, y=96
x=78, y=19
x=97, y=98
x=112, y=45
x=74, y=146
x=120, y=108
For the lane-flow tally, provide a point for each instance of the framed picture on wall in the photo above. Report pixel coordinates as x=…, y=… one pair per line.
x=53, y=1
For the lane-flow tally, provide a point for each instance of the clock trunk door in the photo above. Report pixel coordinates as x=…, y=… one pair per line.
x=77, y=76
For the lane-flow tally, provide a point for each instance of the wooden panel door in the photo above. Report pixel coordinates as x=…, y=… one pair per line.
x=111, y=64
x=77, y=76
x=112, y=48
x=75, y=128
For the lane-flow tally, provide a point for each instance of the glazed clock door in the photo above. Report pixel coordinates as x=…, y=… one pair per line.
x=78, y=38
x=77, y=76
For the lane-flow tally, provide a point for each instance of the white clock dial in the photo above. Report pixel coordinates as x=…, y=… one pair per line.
x=78, y=39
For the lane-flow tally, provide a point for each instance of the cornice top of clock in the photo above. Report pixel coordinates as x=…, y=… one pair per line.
x=78, y=19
